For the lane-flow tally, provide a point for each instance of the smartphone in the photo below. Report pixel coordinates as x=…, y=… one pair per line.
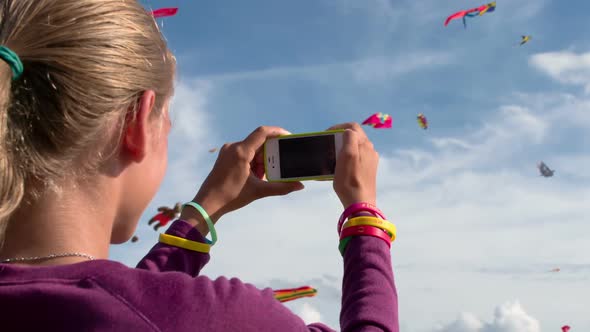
x=301, y=157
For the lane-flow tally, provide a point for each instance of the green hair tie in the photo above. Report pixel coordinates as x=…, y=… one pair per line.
x=13, y=61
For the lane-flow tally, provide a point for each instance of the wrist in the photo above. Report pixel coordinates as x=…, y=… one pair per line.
x=349, y=202
x=196, y=219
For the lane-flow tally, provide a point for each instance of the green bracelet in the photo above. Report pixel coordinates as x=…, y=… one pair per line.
x=207, y=219
x=343, y=244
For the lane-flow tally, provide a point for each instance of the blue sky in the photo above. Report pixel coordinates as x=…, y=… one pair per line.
x=479, y=229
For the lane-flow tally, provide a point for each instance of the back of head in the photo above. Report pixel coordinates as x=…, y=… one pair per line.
x=86, y=62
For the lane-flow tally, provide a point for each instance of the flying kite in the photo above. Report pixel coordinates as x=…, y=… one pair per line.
x=545, y=170
x=213, y=150
x=379, y=120
x=134, y=239
x=422, y=121
x=565, y=328
x=555, y=270
x=285, y=295
x=473, y=12
x=164, y=12
x=525, y=39
x=166, y=214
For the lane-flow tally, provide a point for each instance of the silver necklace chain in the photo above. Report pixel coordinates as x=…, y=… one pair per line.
x=38, y=258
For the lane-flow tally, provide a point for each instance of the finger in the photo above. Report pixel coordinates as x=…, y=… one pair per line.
x=349, y=155
x=351, y=126
x=350, y=144
x=267, y=189
x=258, y=169
x=259, y=157
x=256, y=139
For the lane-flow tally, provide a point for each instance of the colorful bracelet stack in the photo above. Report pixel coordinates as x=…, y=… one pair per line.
x=376, y=225
x=193, y=245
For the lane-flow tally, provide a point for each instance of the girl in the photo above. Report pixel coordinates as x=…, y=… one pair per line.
x=84, y=93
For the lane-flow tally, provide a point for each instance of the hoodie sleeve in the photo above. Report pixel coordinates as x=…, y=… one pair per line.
x=369, y=296
x=166, y=258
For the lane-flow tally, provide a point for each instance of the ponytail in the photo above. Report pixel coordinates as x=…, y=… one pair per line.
x=11, y=177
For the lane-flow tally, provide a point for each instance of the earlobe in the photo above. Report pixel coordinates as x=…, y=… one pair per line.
x=137, y=125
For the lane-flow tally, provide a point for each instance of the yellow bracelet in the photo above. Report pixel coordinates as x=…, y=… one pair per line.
x=184, y=243
x=373, y=221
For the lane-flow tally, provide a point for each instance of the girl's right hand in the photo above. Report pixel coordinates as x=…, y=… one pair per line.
x=355, y=179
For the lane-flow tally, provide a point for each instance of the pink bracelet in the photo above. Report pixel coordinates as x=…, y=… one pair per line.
x=358, y=207
x=368, y=231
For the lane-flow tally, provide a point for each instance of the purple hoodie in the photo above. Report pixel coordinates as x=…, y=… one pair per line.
x=166, y=293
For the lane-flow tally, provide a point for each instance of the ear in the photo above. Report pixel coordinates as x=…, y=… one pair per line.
x=137, y=127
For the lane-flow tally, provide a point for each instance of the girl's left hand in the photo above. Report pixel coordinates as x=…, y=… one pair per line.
x=237, y=178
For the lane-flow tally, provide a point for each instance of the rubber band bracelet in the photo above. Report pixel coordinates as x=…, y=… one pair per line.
x=373, y=221
x=366, y=230
x=207, y=220
x=376, y=232
x=184, y=243
x=358, y=207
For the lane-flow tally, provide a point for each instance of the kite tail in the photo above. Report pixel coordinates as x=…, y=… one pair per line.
x=285, y=295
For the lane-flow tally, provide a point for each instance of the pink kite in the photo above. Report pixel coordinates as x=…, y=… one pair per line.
x=379, y=120
x=164, y=12
x=490, y=7
x=565, y=328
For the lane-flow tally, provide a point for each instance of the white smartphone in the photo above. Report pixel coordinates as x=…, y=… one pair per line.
x=301, y=157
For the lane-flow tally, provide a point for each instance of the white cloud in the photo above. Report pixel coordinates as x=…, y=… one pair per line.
x=191, y=137
x=190, y=119
x=447, y=142
x=509, y=317
x=384, y=68
x=466, y=322
x=366, y=69
x=565, y=67
x=309, y=314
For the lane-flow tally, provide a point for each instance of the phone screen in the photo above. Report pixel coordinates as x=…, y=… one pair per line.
x=307, y=156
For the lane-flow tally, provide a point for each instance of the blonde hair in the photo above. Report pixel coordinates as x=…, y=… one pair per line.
x=86, y=63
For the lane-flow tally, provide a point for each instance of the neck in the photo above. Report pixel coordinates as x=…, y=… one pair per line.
x=74, y=219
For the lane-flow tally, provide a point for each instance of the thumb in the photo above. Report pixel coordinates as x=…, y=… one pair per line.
x=266, y=189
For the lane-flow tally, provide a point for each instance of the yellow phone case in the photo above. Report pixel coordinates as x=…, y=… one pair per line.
x=310, y=178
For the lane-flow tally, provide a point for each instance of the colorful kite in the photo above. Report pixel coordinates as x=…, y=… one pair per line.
x=164, y=12
x=525, y=39
x=555, y=270
x=285, y=295
x=565, y=328
x=490, y=7
x=166, y=214
x=213, y=150
x=379, y=120
x=545, y=170
x=422, y=121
